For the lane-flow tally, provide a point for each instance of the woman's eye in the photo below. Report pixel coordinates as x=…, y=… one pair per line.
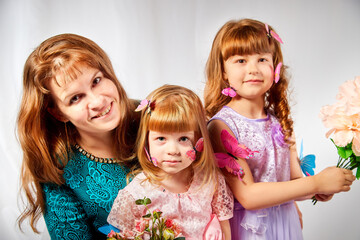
x=241, y=60
x=262, y=60
x=96, y=81
x=75, y=99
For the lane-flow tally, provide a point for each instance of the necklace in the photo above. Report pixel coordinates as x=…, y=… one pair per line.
x=96, y=159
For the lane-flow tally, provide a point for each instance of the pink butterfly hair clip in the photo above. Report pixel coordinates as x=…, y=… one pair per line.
x=234, y=150
x=151, y=159
x=145, y=104
x=199, y=147
x=277, y=72
x=230, y=91
x=273, y=34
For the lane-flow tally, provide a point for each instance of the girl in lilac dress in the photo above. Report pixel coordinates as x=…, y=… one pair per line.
x=182, y=181
x=245, y=96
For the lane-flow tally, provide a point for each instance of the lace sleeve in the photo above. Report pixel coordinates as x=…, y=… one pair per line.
x=64, y=215
x=124, y=211
x=223, y=200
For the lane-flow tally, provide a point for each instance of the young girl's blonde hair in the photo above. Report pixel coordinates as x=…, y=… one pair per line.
x=46, y=142
x=244, y=37
x=175, y=109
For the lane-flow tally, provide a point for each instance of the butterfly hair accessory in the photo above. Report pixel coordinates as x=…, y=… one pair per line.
x=151, y=159
x=234, y=151
x=199, y=147
x=307, y=163
x=145, y=103
x=271, y=33
x=230, y=91
x=277, y=72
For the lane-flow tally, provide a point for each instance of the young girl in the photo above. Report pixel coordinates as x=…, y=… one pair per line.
x=246, y=98
x=77, y=129
x=186, y=188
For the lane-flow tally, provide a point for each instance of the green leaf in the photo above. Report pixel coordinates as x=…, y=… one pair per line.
x=139, y=202
x=358, y=173
x=147, y=215
x=147, y=201
x=179, y=238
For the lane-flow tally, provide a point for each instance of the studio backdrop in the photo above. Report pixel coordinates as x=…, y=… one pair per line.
x=156, y=42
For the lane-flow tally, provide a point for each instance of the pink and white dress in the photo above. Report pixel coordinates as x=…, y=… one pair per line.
x=193, y=211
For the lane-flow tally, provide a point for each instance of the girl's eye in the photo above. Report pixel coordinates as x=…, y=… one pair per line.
x=184, y=139
x=96, y=81
x=262, y=60
x=241, y=61
x=74, y=99
x=160, y=139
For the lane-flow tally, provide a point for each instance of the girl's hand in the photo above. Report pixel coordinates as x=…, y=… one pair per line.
x=333, y=180
x=324, y=197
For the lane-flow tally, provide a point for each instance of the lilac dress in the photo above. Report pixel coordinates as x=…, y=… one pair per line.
x=270, y=164
x=192, y=211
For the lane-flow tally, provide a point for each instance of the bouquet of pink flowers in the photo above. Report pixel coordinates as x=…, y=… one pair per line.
x=343, y=119
x=150, y=226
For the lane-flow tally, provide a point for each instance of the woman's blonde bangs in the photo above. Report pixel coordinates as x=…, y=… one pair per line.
x=66, y=67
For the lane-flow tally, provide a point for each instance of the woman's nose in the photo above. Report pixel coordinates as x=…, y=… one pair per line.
x=95, y=101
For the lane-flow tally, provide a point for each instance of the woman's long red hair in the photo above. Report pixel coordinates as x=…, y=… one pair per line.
x=46, y=141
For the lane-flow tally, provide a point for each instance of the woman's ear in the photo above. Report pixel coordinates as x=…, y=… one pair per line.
x=55, y=112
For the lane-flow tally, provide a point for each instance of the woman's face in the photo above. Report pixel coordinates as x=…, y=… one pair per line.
x=90, y=102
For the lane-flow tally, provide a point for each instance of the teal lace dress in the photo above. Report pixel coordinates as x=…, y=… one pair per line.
x=79, y=207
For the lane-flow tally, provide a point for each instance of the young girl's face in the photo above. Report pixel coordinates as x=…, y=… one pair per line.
x=250, y=75
x=90, y=102
x=170, y=150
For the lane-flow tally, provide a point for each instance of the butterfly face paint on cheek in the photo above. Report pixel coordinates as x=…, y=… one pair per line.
x=151, y=159
x=199, y=147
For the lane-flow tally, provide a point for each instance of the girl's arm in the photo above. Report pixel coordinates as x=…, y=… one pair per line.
x=259, y=195
x=295, y=173
x=223, y=206
x=225, y=228
x=124, y=211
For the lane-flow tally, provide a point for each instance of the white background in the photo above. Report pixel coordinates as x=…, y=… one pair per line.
x=155, y=42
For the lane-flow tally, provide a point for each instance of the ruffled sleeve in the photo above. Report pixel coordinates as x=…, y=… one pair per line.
x=64, y=214
x=223, y=200
x=124, y=211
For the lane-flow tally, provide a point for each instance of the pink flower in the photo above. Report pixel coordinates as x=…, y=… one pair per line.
x=112, y=234
x=349, y=94
x=128, y=234
x=343, y=117
x=142, y=224
x=169, y=223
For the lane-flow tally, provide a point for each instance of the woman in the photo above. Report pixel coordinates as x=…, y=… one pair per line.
x=77, y=129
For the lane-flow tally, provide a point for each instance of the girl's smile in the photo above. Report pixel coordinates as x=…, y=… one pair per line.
x=250, y=75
